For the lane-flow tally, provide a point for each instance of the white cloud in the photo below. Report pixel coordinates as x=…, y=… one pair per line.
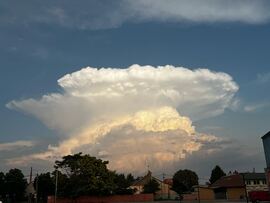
x=104, y=14
x=99, y=94
x=8, y=146
x=131, y=115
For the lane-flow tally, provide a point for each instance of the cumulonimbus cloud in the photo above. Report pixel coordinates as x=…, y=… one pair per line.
x=131, y=116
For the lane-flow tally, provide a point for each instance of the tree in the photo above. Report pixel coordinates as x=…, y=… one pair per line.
x=62, y=183
x=216, y=174
x=44, y=185
x=151, y=187
x=15, y=184
x=183, y=180
x=122, y=183
x=86, y=175
x=2, y=186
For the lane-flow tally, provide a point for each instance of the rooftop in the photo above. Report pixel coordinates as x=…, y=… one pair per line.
x=234, y=180
x=266, y=135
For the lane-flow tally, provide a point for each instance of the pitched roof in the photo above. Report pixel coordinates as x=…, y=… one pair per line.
x=168, y=181
x=266, y=135
x=144, y=180
x=235, y=180
x=254, y=176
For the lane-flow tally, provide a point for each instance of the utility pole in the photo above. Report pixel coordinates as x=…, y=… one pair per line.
x=199, y=198
x=30, y=182
x=56, y=182
x=37, y=189
x=163, y=184
x=243, y=176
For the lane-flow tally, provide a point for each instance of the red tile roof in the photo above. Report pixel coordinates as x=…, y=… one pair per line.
x=235, y=180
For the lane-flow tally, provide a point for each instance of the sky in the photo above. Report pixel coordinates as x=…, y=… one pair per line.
x=143, y=84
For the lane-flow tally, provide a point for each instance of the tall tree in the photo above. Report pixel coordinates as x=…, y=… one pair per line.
x=122, y=183
x=62, y=183
x=183, y=180
x=2, y=186
x=151, y=187
x=44, y=186
x=86, y=175
x=216, y=174
x=15, y=184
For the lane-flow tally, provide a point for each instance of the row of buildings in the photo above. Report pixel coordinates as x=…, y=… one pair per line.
x=234, y=186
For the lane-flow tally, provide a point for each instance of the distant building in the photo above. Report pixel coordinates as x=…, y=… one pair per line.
x=165, y=191
x=266, y=146
x=229, y=187
x=235, y=186
x=255, y=181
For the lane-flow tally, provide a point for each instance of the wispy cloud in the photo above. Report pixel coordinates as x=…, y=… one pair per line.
x=255, y=107
x=102, y=14
x=9, y=146
x=263, y=78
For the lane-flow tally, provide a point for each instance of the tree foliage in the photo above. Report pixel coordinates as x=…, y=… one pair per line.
x=151, y=187
x=15, y=184
x=216, y=174
x=183, y=180
x=122, y=183
x=44, y=185
x=2, y=185
x=85, y=175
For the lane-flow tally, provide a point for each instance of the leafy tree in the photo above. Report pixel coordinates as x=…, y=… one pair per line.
x=130, y=179
x=183, y=180
x=2, y=186
x=15, y=184
x=122, y=183
x=216, y=174
x=62, y=183
x=151, y=187
x=44, y=185
x=86, y=175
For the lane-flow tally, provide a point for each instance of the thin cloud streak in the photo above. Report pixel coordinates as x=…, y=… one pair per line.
x=9, y=146
x=112, y=14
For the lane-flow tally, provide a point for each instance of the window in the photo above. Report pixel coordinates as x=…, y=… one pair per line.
x=248, y=182
x=264, y=182
x=256, y=182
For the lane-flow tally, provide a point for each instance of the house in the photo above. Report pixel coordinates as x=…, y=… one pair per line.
x=255, y=181
x=230, y=187
x=165, y=191
x=204, y=192
x=266, y=147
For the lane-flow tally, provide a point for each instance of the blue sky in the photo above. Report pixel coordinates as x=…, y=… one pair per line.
x=38, y=47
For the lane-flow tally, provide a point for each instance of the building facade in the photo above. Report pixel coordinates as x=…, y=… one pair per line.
x=164, y=191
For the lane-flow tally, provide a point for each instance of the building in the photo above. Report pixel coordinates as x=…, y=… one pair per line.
x=202, y=192
x=231, y=187
x=255, y=181
x=266, y=146
x=165, y=191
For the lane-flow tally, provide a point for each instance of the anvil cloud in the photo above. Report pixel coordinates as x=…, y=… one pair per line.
x=134, y=116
